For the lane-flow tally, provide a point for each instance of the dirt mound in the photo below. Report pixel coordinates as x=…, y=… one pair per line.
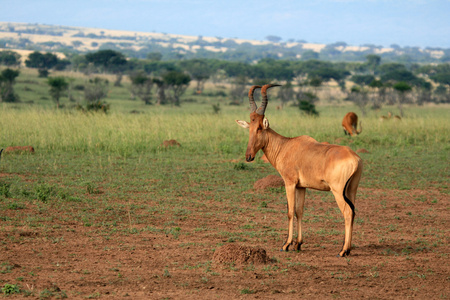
x=271, y=181
x=240, y=255
x=362, y=150
x=170, y=143
x=19, y=149
x=343, y=140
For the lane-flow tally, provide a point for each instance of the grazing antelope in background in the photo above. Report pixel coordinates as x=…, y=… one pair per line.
x=385, y=118
x=349, y=123
x=305, y=163
x=389, y=116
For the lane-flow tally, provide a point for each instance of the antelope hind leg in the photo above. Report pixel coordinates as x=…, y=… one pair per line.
x=348, y=217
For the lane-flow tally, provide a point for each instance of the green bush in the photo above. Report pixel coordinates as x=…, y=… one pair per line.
x=43, y=192
x=4, y=189
x=9, y=289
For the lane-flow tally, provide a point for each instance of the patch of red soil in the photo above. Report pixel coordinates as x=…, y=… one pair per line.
x=232, y=253
x=271, y=181
x=362, y=150
x=343, y=140
x=17, y=149
x=170, y=143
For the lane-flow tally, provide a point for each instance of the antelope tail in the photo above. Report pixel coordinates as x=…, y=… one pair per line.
x=352, y=206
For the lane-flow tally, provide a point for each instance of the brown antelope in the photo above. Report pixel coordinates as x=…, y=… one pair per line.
x=389, y=116
x=385, y=118
x=305, y=163
x=349, y=123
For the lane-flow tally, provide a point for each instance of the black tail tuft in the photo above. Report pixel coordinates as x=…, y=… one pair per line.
x=1, y=153
x=346, y=198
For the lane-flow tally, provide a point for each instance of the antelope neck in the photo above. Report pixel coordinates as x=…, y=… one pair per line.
x=273, y=145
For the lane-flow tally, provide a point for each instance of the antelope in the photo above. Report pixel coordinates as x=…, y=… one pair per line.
x=304, y=163
x=389, y=116
x=385, y=118
x=349, y=123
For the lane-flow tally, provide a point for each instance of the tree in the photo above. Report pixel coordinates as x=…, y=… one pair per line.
x=94, y=91
x=310, y=54
x=199, y=70
x=306, y=103
x=109, y=61
x=58, y=85
x=362, y=79
x=9, y=58
x=442, y=78
x=273, y=38
x=177, y=83
x=402, y=88
x=380, y=91
x=141, y=86
x=42, y=62
x=328, y=73
x=286, y=93
x=154, y=56
x=359, y=96
x=398, y=75
x=238, y=89
x=373, y=61
x=7, y=81
x=161, y=91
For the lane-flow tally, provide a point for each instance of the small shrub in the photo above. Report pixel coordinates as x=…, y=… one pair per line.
x=43, y=192
x=43, y=73
x=247, y=291
x=241, y=166
x=91, y=188
x=308, y=107
x=167, y=273
x=95, y=106
x=15, y=206
x=216, y=108
x=79, y=87
x=9, y=289
x=4, y=189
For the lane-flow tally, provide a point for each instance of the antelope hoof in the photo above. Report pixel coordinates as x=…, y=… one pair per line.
x=298, y=246
x=286, y=247
x=343, y=253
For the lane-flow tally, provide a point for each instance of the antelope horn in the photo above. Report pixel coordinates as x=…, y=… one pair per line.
x=253, y=106
x=264, y=101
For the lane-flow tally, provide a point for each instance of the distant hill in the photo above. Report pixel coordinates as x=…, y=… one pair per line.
x=38, y=37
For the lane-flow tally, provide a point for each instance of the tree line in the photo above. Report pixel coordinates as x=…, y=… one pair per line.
x=154, y=80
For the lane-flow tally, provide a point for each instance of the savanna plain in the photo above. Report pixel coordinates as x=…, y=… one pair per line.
x=103, y=210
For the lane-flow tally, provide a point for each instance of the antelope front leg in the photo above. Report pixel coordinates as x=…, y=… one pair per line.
x=290, y=193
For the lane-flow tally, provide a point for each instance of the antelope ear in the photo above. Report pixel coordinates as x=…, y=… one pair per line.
x=243, y=124
x=266, y=123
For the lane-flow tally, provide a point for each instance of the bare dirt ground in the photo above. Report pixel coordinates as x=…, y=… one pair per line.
x=400, y=251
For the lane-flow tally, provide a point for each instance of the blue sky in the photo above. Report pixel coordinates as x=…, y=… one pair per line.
x=422, y=23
